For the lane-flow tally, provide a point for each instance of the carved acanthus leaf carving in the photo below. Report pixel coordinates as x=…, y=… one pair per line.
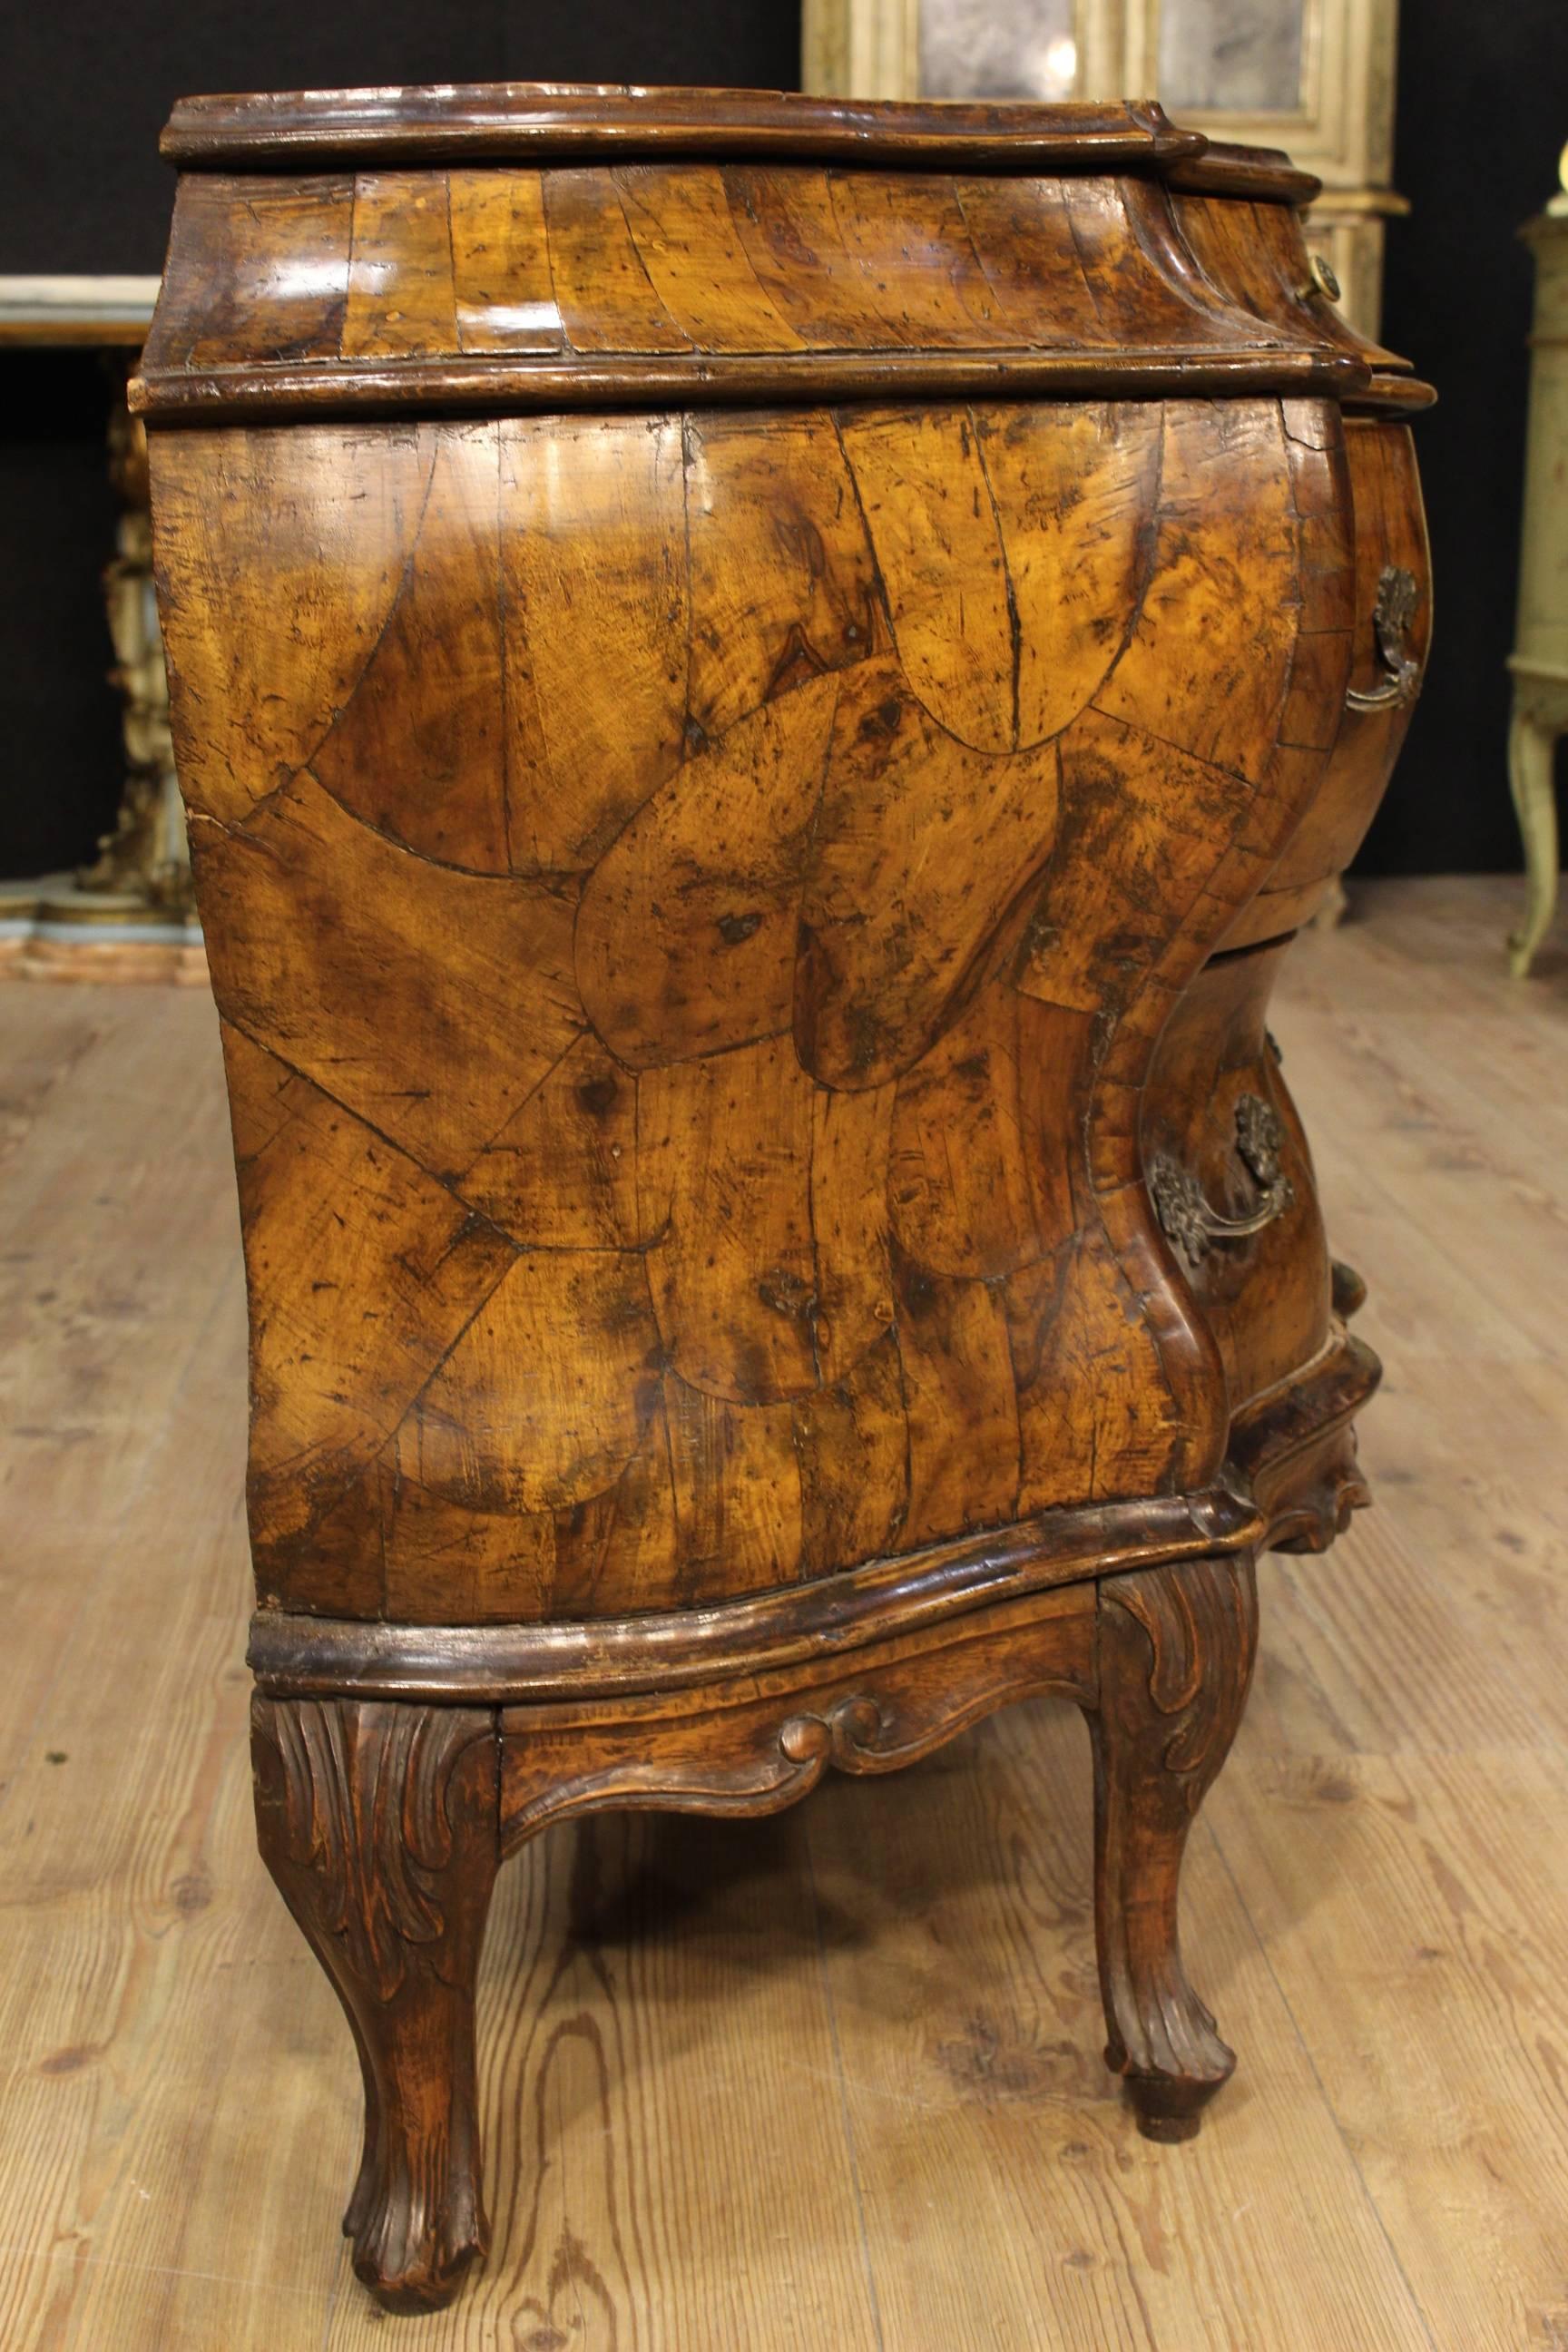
x=380, y=1824
x=365, y=1791
x=1202, y=1626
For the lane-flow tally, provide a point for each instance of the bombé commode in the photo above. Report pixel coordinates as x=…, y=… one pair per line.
x=761, y=685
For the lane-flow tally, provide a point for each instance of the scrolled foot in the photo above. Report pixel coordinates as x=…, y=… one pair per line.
x=1169, y=2104
x=1177, y=1649
x=379, y=1823
x=1182, y=2061
x=413, y=2251
x=1170, y=2107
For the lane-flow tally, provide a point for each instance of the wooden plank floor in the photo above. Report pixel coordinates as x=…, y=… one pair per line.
x=831, y=2080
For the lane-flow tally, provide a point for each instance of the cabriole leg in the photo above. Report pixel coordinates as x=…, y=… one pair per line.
x=379, y=1823
x=1531, y=746
x=1177, y=1648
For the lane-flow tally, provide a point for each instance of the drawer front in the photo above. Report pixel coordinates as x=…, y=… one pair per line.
x=1215, y=1083
x=1390, y=546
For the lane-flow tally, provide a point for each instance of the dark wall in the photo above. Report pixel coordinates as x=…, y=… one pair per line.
x=1482, y=113
x=59, y=727
x=86, y=89
x=88, y=85
x=1481, y=102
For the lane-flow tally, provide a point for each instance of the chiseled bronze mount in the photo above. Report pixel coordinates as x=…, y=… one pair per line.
x=396, y=1767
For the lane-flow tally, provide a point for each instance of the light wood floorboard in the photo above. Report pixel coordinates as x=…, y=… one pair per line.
x=831, y=2080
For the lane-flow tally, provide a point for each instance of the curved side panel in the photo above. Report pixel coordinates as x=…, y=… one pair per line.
x=1390, y=535
x=1181, y=784
x=687, y=1023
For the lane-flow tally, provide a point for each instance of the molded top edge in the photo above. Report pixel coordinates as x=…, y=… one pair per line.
x=535, y=120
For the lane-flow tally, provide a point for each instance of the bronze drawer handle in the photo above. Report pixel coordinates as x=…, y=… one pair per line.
x=1397, y=595
x=1184, y=1216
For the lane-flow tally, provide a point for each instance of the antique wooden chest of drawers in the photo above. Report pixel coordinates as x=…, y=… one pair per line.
x=760, y=685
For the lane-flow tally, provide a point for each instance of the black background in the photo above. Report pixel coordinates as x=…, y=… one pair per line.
x=1483, y=109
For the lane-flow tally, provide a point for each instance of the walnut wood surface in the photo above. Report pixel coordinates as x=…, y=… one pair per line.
x=380, y=1823
x=603, y=980
x=1259, y=252
x=295, y=1654
x=663, y=282
x=749, y=1743
x=1390, y=529
x=1297, y=1449
x=1266, y=1298
x=720, y=914
x=1292, y=1481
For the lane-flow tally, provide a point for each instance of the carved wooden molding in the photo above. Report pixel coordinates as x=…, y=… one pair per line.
x=536, y=122
x=294, y=1653
x=847, y=1736
x=486, y=387
x=1291, y=1468
x=754, y=1743
x=1201, y=1625
x=365, y=1793
x=302, y=353
x=1322, y=1501
x=1294, y=1449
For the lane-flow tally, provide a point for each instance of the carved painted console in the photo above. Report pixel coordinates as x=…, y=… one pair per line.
x=760, y=687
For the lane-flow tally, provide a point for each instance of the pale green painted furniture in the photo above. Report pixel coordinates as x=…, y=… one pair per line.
x=1539, y=659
